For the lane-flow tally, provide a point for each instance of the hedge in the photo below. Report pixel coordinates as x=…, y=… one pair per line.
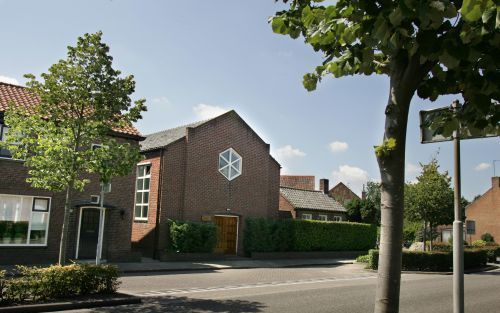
x=190, y=237
x=263, y=235
x=433, y=261
x=35, y=284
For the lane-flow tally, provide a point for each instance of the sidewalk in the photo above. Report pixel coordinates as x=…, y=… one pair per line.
x=156, y=266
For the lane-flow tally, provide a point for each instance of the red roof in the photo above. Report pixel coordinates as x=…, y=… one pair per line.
x=20, y=96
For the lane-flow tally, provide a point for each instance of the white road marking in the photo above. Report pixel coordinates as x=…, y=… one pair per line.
x=159, y=293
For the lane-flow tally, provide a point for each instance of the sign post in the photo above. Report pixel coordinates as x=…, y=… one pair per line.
x=461, y=132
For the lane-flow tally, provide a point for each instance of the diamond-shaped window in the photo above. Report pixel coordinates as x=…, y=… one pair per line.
x=230, y=164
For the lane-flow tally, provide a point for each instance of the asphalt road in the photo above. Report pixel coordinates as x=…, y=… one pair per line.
x=346, y=289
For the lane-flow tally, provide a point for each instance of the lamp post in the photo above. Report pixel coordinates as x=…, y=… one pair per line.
x=460, y=133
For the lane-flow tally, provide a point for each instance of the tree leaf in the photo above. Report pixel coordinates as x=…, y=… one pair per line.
x=472, y=10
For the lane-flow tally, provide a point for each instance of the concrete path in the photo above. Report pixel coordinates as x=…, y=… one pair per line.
x=156, y=266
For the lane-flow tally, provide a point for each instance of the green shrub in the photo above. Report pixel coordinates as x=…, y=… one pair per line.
x=487, y=237
x=54, y=282
x=492, y=253
x=433, y=261
x=441, y=246
x=189, y=237
x=479, y=243
x=373, y=259
x=363, y=259
x=263, y=235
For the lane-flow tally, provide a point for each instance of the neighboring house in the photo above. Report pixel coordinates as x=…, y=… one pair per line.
x=310, y=204
x=342, y=193
x=483, y=214
x=31, y=219
x=217, y=171
x=305, y=182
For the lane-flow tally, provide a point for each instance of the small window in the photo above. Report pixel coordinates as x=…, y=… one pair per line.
x=230, y=164
x=323, y=217
x=306, y=216
x=337, y=218
x=41, y=204
x=3, y=137
x=142, y=192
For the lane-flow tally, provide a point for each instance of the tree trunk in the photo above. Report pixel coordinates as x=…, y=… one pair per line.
x=424, y=235
x=431, y=235
x=404, y=79
x=64, y=231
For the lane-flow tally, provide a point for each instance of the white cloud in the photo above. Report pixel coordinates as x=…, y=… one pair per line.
x=412, y=169
x=351, y=176
x=205, y=111
x=288, y=152
x=482, y=166
x=162, y=100
x=338, y=146
x=9, y=80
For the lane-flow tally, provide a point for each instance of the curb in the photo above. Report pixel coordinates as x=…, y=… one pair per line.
x=149, y=270
x=469, y=271
x=67, y=305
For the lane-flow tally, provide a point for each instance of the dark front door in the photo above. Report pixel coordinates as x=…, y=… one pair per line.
x=227, y=234
x=89, y=233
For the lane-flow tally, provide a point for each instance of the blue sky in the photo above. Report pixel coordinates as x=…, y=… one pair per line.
x=194, y=59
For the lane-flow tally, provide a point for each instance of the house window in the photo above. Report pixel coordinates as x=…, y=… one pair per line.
x=142, y=192
x=3, y=137
x=323, y=217
x=306, y=216
x=24, y=220
x=230, y=164
x=337, y=218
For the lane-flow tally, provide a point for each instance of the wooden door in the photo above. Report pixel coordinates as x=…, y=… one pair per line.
x=227, y=234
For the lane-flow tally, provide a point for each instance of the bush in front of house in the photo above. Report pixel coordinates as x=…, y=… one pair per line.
x=479, y=243
x=191, y=237
x=433, y=261
x=35, y=284
x=492, y=252
x=487, y=237
x=363, y=258
x=263, y=235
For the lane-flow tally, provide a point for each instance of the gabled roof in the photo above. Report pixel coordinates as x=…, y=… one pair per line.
x=165, y=137
x=341, y=187
x=21, y=97
x=311, y=200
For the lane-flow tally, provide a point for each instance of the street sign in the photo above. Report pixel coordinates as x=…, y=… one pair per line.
x=427, y=135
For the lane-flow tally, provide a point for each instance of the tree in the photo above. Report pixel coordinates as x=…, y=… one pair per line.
x=362, y=211
x=425, y=47
x=83, y=100
x=430, y=200
x=373, y=195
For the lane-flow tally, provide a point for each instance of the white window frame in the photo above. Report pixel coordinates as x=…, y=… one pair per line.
x=142, y=191
x=32, y=199
x=306, y=216
x=323, y=217
x=2, y=138
x=233, y=171
x=337, y=218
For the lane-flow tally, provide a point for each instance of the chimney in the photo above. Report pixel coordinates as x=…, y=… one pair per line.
x=324, y=185
x=495, y=182
x=363, y=193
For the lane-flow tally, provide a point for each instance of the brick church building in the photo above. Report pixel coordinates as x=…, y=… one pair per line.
x=218, y=170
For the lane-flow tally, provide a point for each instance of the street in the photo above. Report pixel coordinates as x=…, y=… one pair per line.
x=344, y=288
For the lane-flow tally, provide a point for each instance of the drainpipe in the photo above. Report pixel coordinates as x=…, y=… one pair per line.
x=158, y=207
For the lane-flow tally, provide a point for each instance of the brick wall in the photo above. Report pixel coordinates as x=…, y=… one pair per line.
x=485, y=211
x=193, y=187
x=298, y=182
x=342, y=193
x=286, y=209
x=116, y=245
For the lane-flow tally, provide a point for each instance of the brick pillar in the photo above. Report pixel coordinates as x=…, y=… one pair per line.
x=324, y=185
